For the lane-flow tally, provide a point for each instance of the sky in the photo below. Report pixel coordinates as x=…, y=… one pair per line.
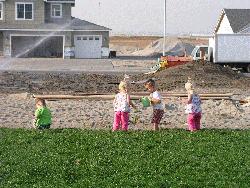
x=146, y=17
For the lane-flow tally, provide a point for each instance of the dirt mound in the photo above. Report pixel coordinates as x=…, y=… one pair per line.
x=209, y=76
x=173, y=46
x=153, y=47
x=126, y=45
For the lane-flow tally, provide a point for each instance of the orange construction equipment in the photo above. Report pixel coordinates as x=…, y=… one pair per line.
x=169, y=61
x=175, y=60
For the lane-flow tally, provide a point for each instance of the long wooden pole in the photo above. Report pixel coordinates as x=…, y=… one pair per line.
x=111, y=97
x=185, y=95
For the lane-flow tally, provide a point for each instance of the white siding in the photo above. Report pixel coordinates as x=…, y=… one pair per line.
x=225, y=27
x=232, y=48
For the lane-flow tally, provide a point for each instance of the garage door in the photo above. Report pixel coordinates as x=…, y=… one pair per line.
x=37, y=46
x=88, y=46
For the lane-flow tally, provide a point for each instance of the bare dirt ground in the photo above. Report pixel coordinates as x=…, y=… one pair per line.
x=138, y=42
x=17, y=104
x=152, y=46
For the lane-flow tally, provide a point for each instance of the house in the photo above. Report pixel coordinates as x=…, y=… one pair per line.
x=232, y=21
x=45, y=28
x=230, y=44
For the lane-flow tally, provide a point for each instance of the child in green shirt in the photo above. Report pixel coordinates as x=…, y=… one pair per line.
x=42, y=115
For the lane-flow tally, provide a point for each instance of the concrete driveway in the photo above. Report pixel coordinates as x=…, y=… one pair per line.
x=75, y=65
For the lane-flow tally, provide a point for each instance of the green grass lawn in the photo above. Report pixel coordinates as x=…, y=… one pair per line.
x=81, y=158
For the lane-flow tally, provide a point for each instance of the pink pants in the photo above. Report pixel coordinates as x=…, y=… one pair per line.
x=121, y=118
x=194, y=121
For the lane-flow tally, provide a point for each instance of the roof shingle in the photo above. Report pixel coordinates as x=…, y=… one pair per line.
x=238, y=18
x=70, y=1
x=75, y=24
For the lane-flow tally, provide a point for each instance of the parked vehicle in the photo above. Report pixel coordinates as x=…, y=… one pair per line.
x=200, y=52
x=226, y=49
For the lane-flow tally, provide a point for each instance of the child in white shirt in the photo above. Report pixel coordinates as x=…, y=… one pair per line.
x=156, y=102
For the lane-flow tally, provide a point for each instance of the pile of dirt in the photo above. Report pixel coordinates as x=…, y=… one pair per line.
x=126, y=45
x=207, y=76
x=173, y=46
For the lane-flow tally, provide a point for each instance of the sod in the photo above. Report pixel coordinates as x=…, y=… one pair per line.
x=84, y=158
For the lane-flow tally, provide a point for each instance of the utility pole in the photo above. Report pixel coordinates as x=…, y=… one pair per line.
x=164, y=37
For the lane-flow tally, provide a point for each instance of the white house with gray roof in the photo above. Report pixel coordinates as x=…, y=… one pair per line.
x=45, y=28
x=231, y=42
x=233, y=21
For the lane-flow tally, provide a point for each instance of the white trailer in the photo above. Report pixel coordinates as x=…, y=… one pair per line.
x=226, y=49
x=230, y=49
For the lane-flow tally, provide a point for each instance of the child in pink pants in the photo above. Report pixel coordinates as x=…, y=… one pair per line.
x=193, y=108
x=122, y=105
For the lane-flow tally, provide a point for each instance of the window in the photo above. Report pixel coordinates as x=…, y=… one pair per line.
x=84, y=38
x=90, y=38
x=1, y=10
x=78, y=38
x=56, y=10
x=24, y=11
x=97, y=38
x=198, y=54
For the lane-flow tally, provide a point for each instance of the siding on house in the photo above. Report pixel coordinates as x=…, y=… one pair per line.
x=18, y=35
x=66, y=13
x=9, y=17
x=225, y=27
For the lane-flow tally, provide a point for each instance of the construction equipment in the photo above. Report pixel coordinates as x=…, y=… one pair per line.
x=169, y=61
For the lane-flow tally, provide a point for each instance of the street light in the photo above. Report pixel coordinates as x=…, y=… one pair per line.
x=164, y=37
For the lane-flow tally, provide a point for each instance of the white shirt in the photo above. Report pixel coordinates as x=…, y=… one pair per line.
x=121, y=103
x=194, y=106
x=157, y=95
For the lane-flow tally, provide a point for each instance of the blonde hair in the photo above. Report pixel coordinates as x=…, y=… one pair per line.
x=189, y=86
x=122, y=85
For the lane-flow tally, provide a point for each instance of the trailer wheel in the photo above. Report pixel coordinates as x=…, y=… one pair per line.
x=248, y=68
